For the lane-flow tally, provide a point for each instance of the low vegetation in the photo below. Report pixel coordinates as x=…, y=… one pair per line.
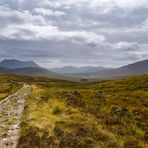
x=106, y=114
x=8, y=86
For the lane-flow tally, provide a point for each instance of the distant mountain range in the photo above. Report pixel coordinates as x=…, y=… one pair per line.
x=76, y=70
x=30, y=68
x=12, y=64
x=73, y=73
x=138, y=68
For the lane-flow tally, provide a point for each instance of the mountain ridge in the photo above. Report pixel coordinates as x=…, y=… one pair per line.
x=137, y=68
x=13, y=64
x=77, y=70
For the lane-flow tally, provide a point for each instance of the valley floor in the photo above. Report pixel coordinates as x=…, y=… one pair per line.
x=64, y=114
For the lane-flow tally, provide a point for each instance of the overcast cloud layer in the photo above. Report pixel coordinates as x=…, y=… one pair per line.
x=74, y=32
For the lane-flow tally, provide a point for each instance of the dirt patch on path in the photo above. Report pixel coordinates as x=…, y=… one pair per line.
x=11, y=110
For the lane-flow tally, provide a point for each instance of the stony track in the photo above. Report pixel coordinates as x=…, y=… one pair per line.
x=11, y=110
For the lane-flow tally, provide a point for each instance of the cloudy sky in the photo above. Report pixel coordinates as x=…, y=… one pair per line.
x=58, y=33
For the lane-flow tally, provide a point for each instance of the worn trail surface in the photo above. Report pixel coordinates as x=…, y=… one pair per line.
x=11, y=110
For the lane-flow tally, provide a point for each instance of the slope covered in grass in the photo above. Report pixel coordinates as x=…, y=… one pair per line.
x=108, y=114
x=8, y=86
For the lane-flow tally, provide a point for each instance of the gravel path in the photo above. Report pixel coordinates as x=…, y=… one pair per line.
x=11, y=110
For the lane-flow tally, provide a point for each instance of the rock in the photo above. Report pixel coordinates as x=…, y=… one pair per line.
x=98, y=94
x=13, y=127
x=4, y=139
x=77, y=93
x=4, y=136
x=117, y=110
x=7, y=143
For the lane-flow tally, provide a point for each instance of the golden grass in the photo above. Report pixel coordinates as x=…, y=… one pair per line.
x=63, y=114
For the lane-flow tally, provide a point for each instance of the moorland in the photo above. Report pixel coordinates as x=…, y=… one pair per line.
x=104, y=114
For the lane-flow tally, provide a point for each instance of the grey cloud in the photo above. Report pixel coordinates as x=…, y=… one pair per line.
x=76, y=32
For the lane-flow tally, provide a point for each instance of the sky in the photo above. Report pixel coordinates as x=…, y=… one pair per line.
x=56, y=33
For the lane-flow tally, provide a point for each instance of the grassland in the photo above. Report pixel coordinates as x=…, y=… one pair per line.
x=106, y=114
x=8, y=86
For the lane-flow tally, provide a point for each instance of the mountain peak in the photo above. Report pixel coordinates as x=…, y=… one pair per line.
x=13, y=63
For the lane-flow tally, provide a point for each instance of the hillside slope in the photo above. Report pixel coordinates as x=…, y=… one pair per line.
x=35, y=71
x=138, y=68
x=132, y=69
